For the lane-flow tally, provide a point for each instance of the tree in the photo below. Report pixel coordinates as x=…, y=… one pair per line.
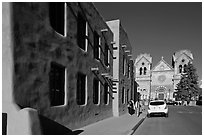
x=188, y=85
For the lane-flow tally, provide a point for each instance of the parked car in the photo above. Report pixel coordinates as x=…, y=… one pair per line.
x=172, y=103
x=157, y=107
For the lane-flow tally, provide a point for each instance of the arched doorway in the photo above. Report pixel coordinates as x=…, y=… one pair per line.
x=161, y=92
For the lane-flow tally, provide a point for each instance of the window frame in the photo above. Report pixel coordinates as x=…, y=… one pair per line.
x=128, y=75
x=98, y=91
x=78, y=99
x=97, y=42
x=127, y=96
x=82, y=33
x=184, y=68
x=123, y=95
x=65, y=84
x=140, y=70
x=124, y=65
x=145, y=69
x=106, y=96
x=106, y=50
x=64, y=34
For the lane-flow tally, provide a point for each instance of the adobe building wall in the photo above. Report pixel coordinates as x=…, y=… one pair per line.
x=114, y=26
x=15, y=121
x=122, y=50
x=125, y=81
x=37, y=45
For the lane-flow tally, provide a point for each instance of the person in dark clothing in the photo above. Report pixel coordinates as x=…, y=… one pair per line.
x=131, y=107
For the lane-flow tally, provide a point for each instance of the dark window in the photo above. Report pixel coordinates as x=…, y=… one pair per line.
x=106, y=55
x=142, y=63
x=95, y=91
x=128, y=70
x=57, y=16
x=141, y=71
x=124, y=63
x=123, y=95
x=81, y=89
x=145, y=69
x=106, y=93
x=157, y=103
x=183, y=60
x=180, y=68
x=81, y=32
x=127, y=95
x=184, y=70
x=4, y=123
x=96, y=45
x=57, y=81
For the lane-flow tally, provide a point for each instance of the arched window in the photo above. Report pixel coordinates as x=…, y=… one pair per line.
x=141, y=71
x=180, y=68
x=184, y=68
x=145, y=69
x=82, y=31
x=57, y=14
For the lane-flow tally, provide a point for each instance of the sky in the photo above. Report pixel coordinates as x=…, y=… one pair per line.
x=159, y=29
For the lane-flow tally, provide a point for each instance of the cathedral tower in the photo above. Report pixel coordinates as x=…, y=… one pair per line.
x=143, y=64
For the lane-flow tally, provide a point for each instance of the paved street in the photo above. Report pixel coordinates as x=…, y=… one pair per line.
x=182, y=120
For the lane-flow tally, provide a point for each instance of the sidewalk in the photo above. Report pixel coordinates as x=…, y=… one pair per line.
x=123, y=125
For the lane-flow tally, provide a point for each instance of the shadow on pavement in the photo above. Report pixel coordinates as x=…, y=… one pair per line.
x=50, y=127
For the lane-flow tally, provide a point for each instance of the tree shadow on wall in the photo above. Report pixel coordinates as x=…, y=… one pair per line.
x=50, y=127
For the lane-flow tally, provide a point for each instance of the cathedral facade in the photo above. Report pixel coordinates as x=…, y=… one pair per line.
x=159, y=82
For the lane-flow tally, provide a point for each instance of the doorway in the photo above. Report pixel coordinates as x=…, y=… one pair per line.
x=161, y=96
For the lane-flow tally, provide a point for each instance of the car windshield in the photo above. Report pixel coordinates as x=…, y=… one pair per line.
x=157, y=103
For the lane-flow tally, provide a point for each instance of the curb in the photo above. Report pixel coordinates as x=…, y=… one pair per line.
x=136, y=126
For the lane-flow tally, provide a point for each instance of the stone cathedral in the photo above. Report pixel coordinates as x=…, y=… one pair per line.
x=159, y=81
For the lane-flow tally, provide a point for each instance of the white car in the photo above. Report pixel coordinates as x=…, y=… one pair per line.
x=157, y=107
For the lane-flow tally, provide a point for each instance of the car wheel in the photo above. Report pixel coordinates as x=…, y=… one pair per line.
x=166, y=115
x=148, y=115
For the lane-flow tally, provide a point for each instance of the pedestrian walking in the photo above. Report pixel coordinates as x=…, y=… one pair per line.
x=131, y=107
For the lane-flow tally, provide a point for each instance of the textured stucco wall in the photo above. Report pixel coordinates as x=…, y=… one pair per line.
x=120, y=39
x=19, y=121
x=124, y=80
x=7, y=57
x=114, y=26
x=36, y=45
